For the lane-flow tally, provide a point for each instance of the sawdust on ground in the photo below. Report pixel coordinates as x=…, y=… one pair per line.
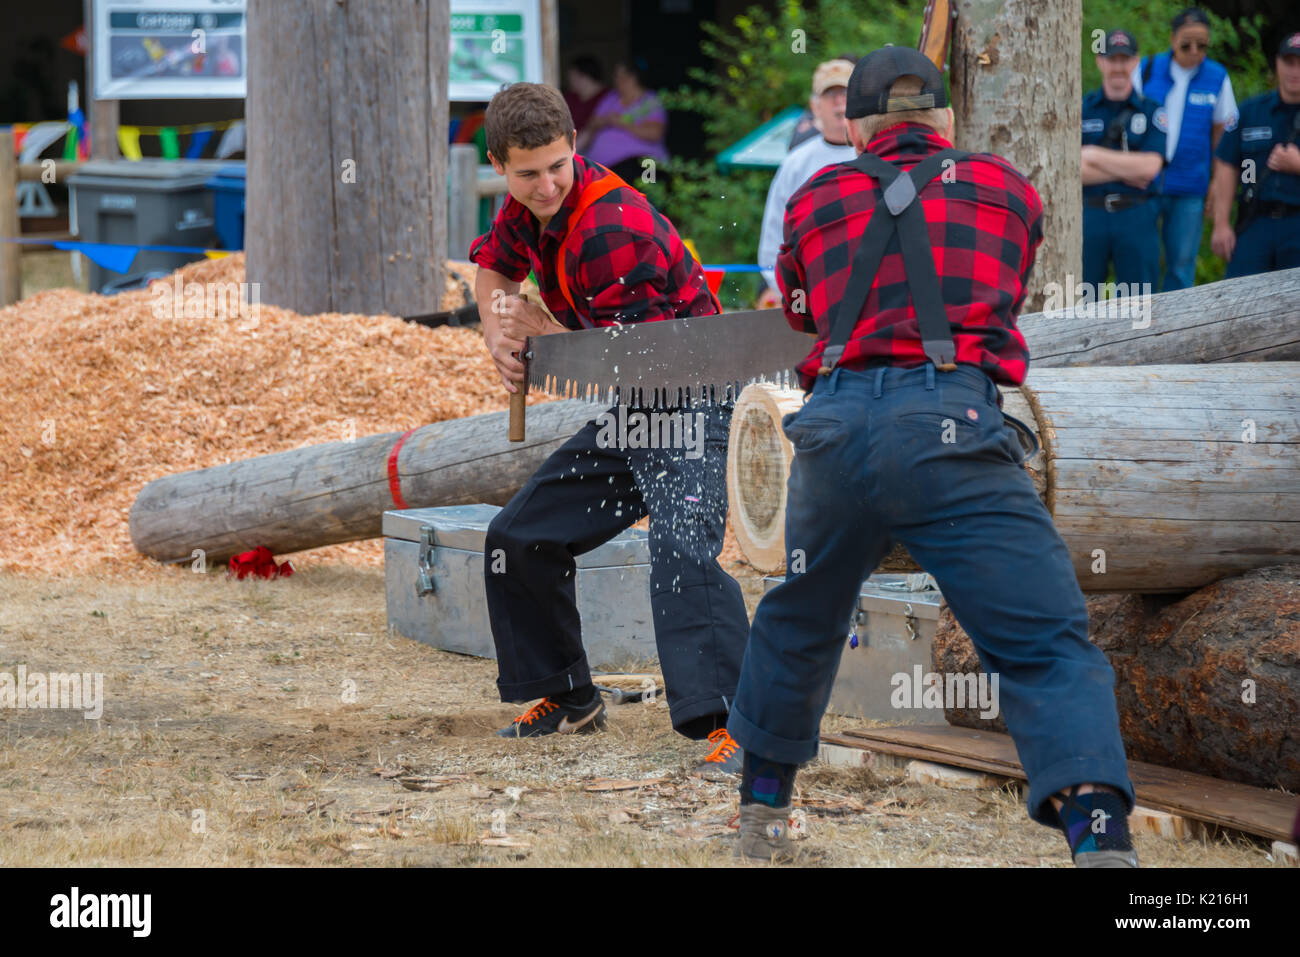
x=103, y=394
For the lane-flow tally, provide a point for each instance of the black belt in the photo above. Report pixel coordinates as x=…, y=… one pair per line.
x=1277, y=210
x=1114, y=202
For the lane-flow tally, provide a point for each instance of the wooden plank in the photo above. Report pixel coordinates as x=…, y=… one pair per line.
x=33, y=172
x=1242, y=807
x=11, y=268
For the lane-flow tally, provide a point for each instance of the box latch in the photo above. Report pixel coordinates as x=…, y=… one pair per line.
x=424, y=586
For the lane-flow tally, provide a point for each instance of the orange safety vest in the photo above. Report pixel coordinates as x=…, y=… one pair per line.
x=593, y=191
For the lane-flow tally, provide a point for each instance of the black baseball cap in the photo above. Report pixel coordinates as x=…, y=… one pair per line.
x=1290, y=45
x=874, y=74
x=1120, y=43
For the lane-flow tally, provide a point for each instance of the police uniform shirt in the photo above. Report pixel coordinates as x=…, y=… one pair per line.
x=1138, y=124
x=1265, y=121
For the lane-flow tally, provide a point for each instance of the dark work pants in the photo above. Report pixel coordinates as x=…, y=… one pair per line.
x=1266, y=244
x=581, y=497
x=1127, y=239
x=926, y=459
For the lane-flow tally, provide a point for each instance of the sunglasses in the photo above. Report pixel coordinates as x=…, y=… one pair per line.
x=1197, y=45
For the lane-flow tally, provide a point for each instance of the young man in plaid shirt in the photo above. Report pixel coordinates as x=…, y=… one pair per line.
x=912, y=283
x=602, y=256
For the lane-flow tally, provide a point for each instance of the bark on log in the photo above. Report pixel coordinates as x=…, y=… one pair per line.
x=1209, y=683
x=325, y=494
x=1159, y=478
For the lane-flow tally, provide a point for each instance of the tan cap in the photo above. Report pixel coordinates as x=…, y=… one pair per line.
x=831, y=73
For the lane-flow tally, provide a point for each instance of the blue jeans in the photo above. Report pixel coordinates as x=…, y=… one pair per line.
x=1266, y=244
x=1180, y=228
x=926, y=459
x=1127, y=238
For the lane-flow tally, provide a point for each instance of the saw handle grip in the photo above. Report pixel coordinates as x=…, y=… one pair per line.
x=517, y=407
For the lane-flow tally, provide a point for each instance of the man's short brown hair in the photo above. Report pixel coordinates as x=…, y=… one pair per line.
x=936, y=119
x=526, y=115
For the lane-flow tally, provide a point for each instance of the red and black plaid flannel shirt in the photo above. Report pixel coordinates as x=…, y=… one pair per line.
x=626, y=260
x=985, y=228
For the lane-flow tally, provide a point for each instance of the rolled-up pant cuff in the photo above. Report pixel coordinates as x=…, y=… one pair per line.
x=1064, y=774
x=574, y=676
x=765, y=745
x=687, y=715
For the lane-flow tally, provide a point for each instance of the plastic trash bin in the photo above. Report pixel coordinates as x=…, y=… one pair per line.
x=228, y=203
x=148, y=202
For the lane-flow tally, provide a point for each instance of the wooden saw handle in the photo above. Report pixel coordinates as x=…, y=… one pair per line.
x=517, y=406
x=936, y=32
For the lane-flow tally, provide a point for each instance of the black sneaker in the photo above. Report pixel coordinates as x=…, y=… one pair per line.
x=551, y=717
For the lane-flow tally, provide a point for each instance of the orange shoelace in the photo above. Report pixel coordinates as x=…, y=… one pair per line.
x=545, y=706
x=724, y=747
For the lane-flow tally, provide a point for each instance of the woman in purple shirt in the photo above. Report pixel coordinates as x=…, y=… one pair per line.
x=626, y=127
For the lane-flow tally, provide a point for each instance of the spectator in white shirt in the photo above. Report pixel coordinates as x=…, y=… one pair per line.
x=829, y=86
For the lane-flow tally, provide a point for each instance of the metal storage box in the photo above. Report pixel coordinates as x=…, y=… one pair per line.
x=894, y=625
x=433, y=573
x=148, y=202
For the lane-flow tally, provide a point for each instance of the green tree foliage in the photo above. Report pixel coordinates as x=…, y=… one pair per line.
x=764, y=60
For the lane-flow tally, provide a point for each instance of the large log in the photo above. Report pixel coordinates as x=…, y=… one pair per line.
x=1209, y=683
x=338, y=492
x=1248, y=319
x=1159, y=478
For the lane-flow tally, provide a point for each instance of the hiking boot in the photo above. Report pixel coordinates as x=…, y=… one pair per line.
x=1106, y=859
x=551, y=717
x=764, y=834
x=724, y=761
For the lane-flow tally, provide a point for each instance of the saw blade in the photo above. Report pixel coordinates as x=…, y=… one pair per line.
x=672, y=363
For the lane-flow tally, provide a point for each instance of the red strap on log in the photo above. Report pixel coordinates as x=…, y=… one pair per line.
x=394, y=480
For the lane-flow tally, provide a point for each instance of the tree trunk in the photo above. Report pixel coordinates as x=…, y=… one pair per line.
x=1159, y=478
x=1017, y=92
x=338, y=492
x=347, y=154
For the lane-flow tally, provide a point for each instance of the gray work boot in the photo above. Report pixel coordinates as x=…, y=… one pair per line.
x=1106, y=859
x=764, y=834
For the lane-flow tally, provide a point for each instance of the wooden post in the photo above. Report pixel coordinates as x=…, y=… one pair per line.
x=11, y=268
x=551, y=72
x=347, y=158
x=462, y=227
x=102, y=116
x=1017, y=92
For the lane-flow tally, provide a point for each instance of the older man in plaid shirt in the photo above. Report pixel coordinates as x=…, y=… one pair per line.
x=910, y=265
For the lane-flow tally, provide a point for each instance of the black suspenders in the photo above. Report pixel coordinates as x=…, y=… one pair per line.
x=907, y=219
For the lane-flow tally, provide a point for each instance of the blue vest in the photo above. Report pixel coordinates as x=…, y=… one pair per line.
x=1188, y=173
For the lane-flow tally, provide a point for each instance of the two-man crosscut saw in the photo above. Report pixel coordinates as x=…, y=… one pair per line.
x=690, y=361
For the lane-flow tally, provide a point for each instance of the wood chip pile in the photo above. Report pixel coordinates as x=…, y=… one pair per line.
x=101, y=395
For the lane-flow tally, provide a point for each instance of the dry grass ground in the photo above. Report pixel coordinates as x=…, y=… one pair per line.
x=226, y=739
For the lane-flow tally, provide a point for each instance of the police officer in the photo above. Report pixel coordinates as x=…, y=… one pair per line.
x=1260, y=156
x=1123, y=152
